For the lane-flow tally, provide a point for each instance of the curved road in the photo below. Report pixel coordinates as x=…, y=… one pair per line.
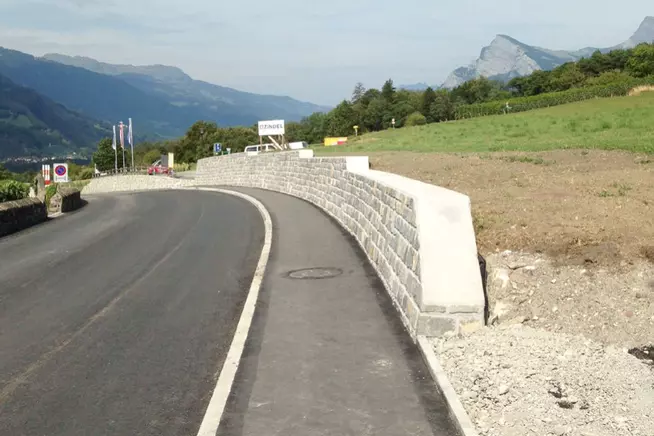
x=116, y=319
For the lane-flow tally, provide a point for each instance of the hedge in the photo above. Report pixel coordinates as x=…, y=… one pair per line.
x=522, y=104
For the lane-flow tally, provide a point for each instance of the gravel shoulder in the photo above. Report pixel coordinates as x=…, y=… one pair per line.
x=608, y=306
x=518, y=381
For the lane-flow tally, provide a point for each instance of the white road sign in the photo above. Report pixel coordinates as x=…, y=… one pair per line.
x=271, y=128
x=60, y=173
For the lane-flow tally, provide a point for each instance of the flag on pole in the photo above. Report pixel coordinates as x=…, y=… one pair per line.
x=122, y=135
x=113, y=144
x=130, y=138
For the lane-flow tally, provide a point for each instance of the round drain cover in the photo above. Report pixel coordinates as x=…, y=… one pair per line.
x=315, y=273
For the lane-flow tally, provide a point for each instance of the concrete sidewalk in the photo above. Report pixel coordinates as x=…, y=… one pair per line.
x=327, y=356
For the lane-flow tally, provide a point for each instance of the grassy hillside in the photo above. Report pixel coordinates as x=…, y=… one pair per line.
x=625, y=123
x=31, y=124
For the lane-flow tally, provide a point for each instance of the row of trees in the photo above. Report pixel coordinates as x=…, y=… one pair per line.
x=374, y=109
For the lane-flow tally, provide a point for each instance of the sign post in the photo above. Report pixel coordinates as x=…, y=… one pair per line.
x=217, y=148
x=61, y=173
x=356, y=130
x=393, y=122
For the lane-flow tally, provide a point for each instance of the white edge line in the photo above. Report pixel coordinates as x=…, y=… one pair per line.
x=457, y=410
x=216, y=407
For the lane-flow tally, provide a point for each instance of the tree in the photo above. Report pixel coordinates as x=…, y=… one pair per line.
x=388, y=91
x=358, y=93
x=442, y=108
x=150, y=157
x=104, y=157
x=340, y=121
x=4, y=173
x=369, y=96
x=428, y=98
x=374, y=116
x=295, y=132
x=641, y=62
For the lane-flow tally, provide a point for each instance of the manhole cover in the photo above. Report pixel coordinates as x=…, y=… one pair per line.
x=315, y=273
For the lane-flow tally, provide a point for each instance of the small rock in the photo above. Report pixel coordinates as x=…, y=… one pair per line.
x=516, y=265
x=501, y=278
x=521, y=319
x=565, y=404
x=503, y=390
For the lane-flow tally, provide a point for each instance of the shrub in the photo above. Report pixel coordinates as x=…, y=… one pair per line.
x=416, y=119
x=50, y=191
x=539, y=101
x=85, y=173
x=11, y=190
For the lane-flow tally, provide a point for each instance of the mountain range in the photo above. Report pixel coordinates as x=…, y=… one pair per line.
x=162, y=100
x=506, y=57
x=31, y=124
x=177, y=87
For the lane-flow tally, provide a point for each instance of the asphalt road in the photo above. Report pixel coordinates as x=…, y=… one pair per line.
x=116, y=319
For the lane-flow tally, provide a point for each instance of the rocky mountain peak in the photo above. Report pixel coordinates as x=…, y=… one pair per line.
x=645, y=32
x=506, y=57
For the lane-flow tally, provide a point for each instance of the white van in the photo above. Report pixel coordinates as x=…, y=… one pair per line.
x=297, y=145
x=259, y=148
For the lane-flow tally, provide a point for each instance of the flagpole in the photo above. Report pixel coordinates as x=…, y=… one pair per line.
x=122, y=142
x=114, y=146
x=131, y=141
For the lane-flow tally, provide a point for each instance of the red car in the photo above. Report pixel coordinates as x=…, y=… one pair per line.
x=157, y=168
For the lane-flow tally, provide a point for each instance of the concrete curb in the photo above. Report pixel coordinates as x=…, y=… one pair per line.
x=456, y=409
x=136, y=191
x=214, y=412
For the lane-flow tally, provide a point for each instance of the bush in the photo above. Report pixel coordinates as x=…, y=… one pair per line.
x=11, y=190
x=416, y=119
x=539, y=101
x=85, y=173
x=50, y=191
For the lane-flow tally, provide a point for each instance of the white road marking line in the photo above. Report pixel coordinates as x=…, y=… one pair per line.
x=216, y=407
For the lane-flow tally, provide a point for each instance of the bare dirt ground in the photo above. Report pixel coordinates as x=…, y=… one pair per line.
x=578, y=206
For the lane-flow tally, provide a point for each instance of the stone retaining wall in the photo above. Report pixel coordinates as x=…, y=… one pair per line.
x=21, y=214
x=419, y=237
x=66, y=200
x=132, y=182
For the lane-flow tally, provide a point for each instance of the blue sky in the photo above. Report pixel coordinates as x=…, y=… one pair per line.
x=313, y=51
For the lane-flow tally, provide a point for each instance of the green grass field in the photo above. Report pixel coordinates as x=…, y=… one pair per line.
x=624, y=123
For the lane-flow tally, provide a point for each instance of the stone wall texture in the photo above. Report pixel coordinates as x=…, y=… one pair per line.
x=132, y=182
x=21, y=214
x=65, y=200
x=419, y=237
